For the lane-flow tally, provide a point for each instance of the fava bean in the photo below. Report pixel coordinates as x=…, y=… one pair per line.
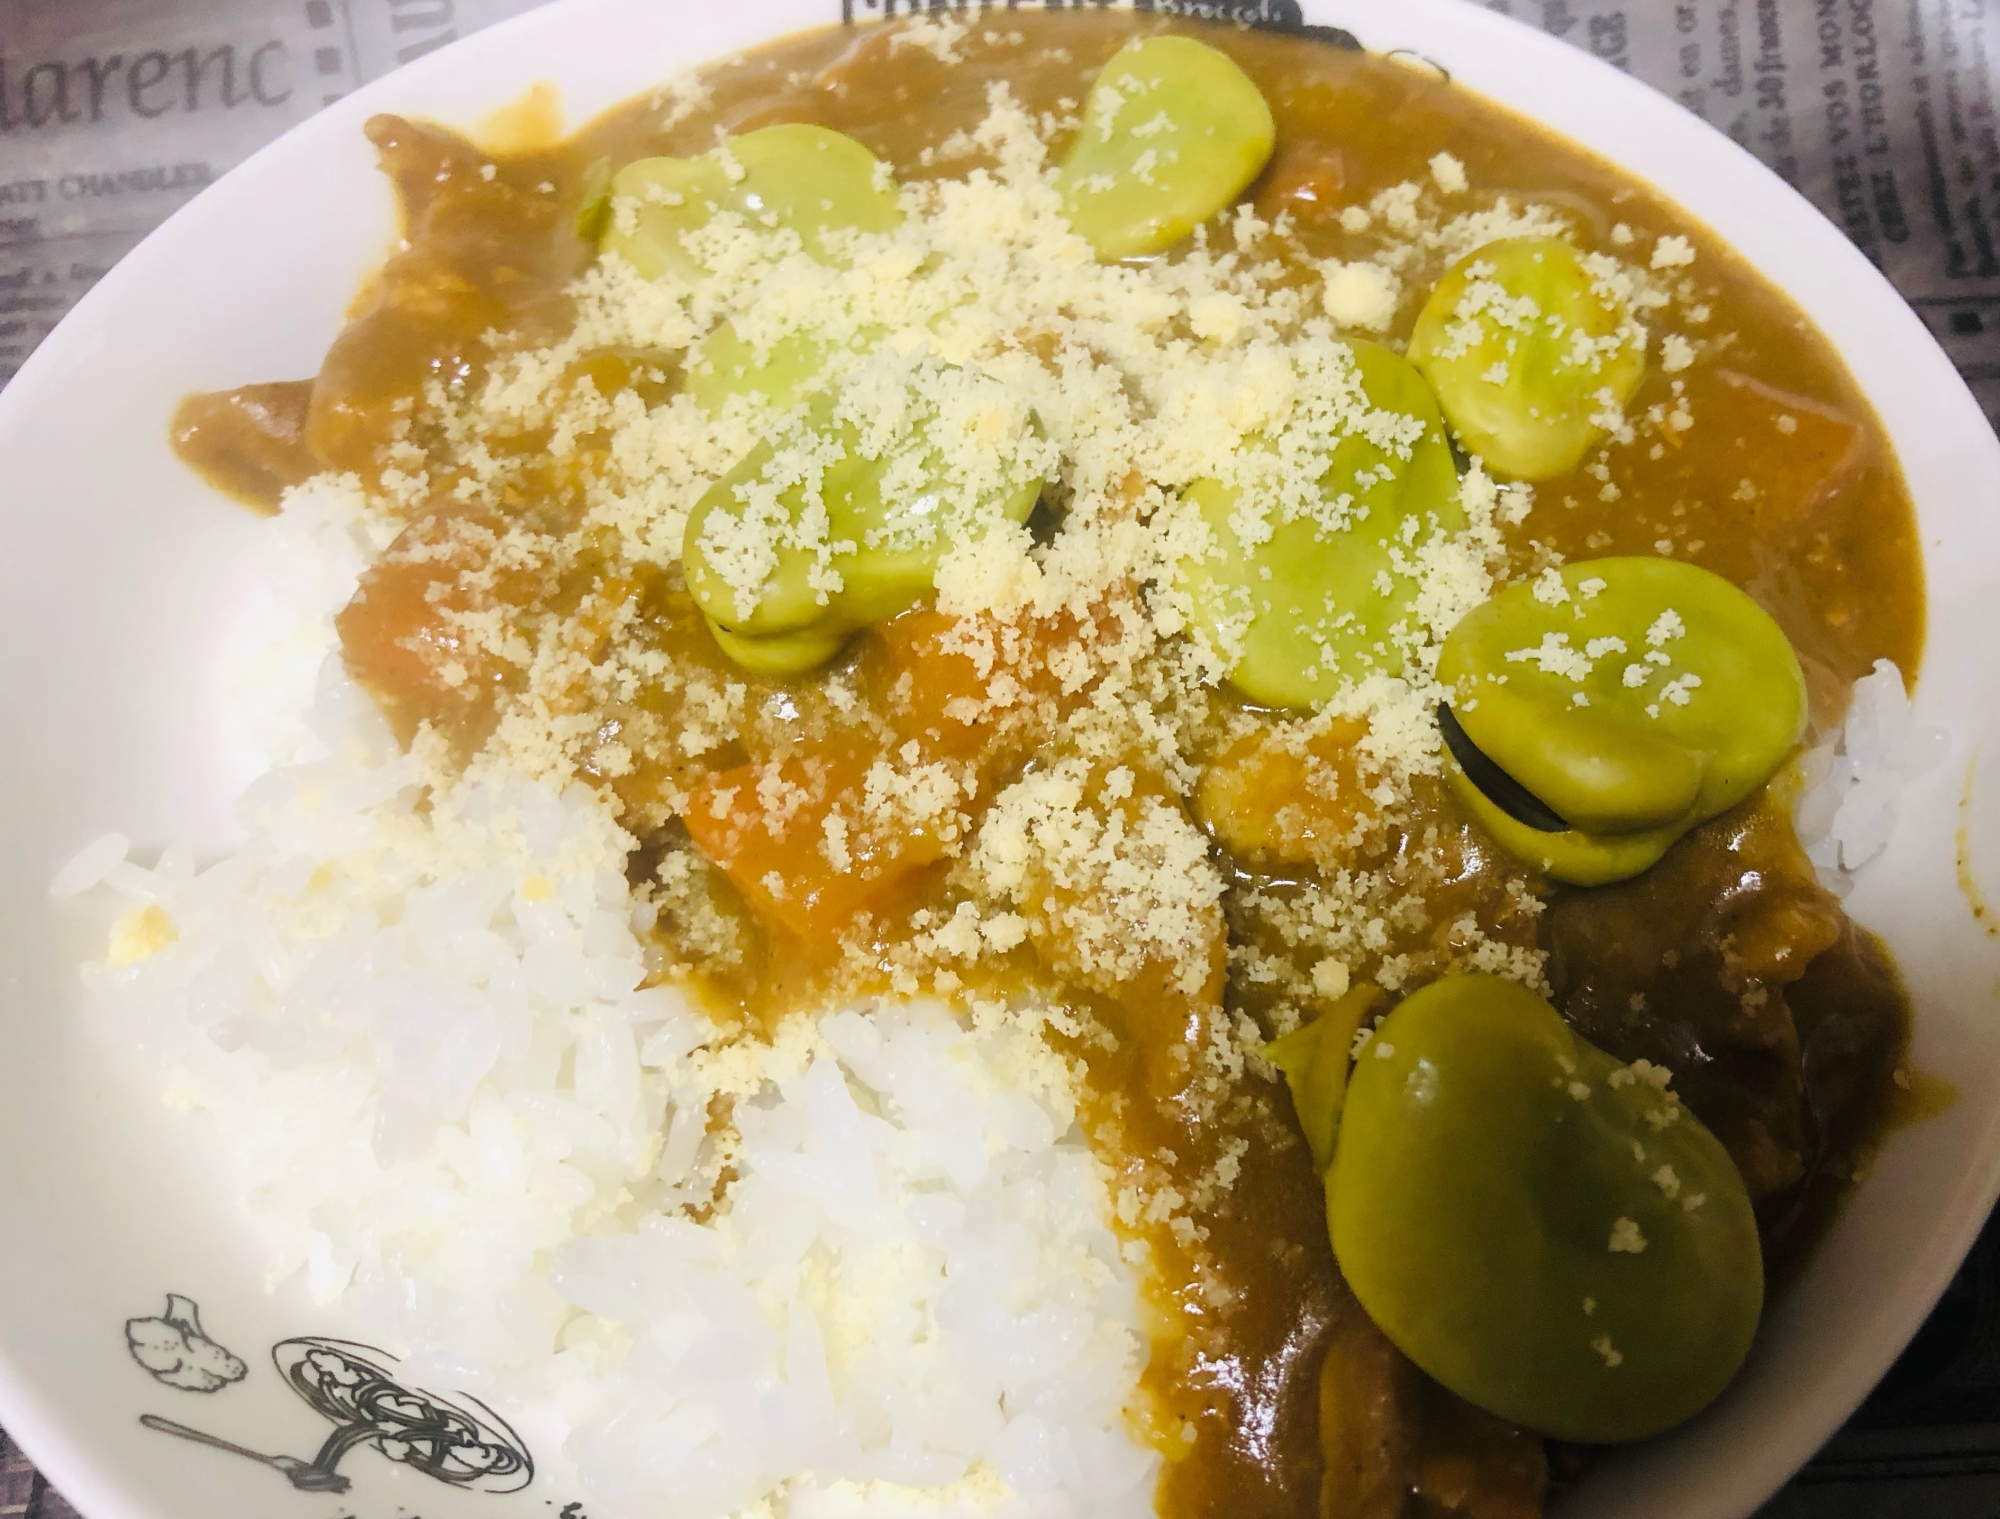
x=723, y=365
x=1530, y=353
x=1323, y=603
x=1546, y=1232
x=1173, y=131
x=1314, y=1058
x=1633, y=698
x=806, y=179
x=833, y=531
x=780, y=654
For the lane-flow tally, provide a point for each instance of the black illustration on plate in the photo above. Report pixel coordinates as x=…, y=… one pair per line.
x=176, y=1353
x=458, y=1440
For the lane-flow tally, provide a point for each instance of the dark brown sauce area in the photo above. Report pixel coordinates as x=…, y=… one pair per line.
x=1783, y=1023
x=1732, y=966
x=250, y=442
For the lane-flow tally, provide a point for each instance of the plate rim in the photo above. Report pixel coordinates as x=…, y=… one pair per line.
x=59, y=1451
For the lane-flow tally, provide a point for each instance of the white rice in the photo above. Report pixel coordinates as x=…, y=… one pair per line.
x=422, y=1035
x=1850, y=783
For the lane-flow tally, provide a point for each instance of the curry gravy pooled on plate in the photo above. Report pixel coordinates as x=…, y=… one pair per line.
x=1225, y=559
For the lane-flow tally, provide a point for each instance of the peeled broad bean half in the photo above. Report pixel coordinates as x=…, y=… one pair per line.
x=1325, y=591
x=1531, y=355
x=1314, y=1058
x=1547, y=1233
x=723, y=365
x=1630, y=698
x=837, y=530
x=1172, y=132
x=807, y=179
x=780, y=654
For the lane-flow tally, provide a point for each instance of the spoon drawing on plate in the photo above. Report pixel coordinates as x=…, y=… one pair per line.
x=458, y=1441
x=306, y=1476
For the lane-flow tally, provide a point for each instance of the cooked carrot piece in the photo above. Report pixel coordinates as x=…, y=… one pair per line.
x=797, y=837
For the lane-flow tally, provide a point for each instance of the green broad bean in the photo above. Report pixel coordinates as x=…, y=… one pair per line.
x=1173, y=131
x=593, y=211
x=1547, y=1233
x=746, y=515
x=724, y=365
x=1313, y=1059
x=806, y=178
x=780, y=654
x=1323, y=604
x=1635, y=698
x=1529, y=353
x=840, y=538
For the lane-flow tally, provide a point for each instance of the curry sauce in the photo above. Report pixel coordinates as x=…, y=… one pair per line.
x=1729, y=964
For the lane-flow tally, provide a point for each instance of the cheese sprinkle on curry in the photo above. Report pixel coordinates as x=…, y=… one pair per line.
x=1032, y=794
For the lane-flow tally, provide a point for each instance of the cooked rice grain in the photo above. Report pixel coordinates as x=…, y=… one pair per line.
x=417, y=1015
x=1850, y=783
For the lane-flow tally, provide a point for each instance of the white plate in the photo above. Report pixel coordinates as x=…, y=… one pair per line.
x=119, y=574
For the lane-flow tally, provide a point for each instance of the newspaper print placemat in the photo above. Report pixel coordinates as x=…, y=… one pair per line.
x=113, y=113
